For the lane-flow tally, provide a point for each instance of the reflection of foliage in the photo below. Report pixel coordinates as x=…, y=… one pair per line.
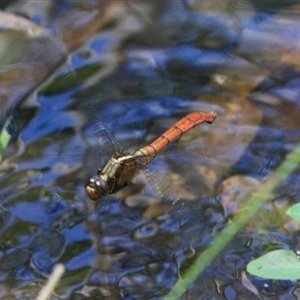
x=13, y=234
x=68, y=81
x=254, y=203
x=4, y=138
x=75, y=249
x=31, y=195
x=71, y=278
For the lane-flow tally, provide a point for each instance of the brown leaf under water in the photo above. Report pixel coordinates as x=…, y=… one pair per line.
x=38, y=51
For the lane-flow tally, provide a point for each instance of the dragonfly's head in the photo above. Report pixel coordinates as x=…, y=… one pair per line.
x=96, y=188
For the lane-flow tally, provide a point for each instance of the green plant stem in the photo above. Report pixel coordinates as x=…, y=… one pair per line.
x=254, y=203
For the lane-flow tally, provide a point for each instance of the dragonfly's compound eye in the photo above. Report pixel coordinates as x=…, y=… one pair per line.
x=96, y=188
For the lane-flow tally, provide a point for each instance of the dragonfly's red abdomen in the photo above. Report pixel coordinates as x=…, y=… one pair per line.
x=173, y=133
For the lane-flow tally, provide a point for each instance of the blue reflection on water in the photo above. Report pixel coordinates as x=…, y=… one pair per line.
x=50, y=118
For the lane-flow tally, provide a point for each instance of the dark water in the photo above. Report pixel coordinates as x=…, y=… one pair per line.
x=151, y=65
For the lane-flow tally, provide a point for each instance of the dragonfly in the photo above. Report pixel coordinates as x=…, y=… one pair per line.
x=122, y=167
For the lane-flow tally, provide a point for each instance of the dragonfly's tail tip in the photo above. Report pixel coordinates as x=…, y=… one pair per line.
x=212, y=117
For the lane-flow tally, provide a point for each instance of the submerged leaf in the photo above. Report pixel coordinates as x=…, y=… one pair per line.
x=294, y=211
x=278, y=264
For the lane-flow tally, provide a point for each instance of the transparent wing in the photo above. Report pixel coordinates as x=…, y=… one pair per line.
x=161, y=186
x=105, y=137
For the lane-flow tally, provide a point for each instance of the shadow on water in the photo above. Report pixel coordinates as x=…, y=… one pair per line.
x=148, y=66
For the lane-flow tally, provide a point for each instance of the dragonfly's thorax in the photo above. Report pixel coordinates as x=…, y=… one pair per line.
x=114, y=176
x=119, y=170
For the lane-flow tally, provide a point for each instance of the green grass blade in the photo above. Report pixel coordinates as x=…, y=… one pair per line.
x=254, y=203
x=4, y=137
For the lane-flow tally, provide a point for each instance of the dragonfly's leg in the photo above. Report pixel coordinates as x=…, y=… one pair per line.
x=117, y=154
x=114, y=187
x=119, y=188
x=141, y=165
